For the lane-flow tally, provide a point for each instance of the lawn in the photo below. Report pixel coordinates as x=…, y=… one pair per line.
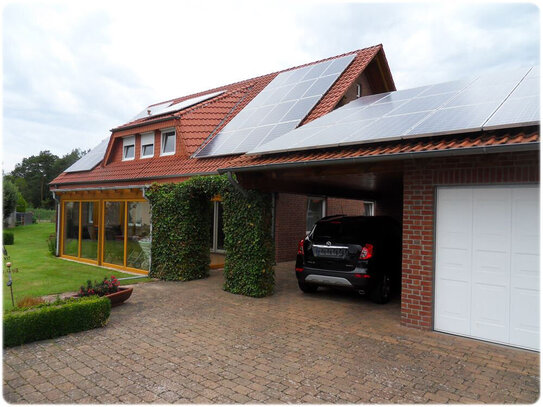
x=41, y=273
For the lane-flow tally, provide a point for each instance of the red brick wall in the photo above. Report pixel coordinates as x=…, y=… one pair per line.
x=290, y=218
x=351, y=207
x=420, y=180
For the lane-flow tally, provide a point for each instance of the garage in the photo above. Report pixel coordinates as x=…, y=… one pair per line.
x=487, y=263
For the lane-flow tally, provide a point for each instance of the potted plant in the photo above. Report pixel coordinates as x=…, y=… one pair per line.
x=109, y=288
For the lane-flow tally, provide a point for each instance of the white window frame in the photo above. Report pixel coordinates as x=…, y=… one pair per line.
x=162, y=138
x=372, y=207
x=127, y=142
x=323, y=209
x=146, y=139
x=215, y=244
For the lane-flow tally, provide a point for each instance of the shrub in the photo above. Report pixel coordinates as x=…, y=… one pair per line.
x=106, y=286
x=181, y=233
x=52, y=244
x=26, y=302
x=8, y=238
x=50, y=320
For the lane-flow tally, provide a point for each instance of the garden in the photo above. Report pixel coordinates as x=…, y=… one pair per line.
x=41, y=273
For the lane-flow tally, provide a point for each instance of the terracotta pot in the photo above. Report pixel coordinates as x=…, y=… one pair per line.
x=120, y=296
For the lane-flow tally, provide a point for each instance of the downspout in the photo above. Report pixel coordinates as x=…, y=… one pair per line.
x=57, y=200
x=143, y=189
x=235, y=184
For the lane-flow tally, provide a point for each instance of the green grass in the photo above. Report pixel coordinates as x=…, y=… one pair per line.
x=41, y=273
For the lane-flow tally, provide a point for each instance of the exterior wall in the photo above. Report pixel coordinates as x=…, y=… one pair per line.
x=290, y=218
x=350, y=207
x=421, y=177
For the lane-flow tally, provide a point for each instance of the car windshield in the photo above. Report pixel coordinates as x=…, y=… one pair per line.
x=346, y=232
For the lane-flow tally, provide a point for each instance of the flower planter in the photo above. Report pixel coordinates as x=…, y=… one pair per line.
x=117, y=298
x=120, y=296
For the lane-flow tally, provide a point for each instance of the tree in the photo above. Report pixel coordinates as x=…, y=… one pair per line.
x=33, y=175
x=21, y=203
x=10, y=197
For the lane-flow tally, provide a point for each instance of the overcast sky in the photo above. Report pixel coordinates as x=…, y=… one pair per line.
x=73, y=70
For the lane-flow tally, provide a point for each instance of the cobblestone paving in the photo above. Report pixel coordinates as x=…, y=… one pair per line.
x=192, y=342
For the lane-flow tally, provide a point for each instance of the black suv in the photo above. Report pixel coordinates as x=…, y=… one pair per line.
x=360, y=252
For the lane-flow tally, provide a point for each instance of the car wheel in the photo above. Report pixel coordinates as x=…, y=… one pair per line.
x=307, y=288
x=381, y=292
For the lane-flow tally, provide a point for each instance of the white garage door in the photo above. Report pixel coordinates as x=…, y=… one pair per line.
x=487, y=264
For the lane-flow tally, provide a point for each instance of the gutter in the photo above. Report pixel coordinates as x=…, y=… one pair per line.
x=192, y=174
x=235, y=184
x=396, y=156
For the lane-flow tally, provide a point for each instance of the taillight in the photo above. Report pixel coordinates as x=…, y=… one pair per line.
x=367, y=252
x=301, y=247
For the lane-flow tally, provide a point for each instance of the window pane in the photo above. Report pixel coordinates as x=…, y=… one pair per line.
x=314, y=211
x=148, y=150
x=128, y=151
x=168, y=143
x=220, y=231
x=139, y=235
x=71, y=228
x=114, y=233
x=89, y=230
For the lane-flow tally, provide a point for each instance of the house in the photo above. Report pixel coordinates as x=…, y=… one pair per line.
x=457, y=163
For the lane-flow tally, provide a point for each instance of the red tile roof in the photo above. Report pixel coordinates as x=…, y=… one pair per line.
x=197, y=124
x=392, y=148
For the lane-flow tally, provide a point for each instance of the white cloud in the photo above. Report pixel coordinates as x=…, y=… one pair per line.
x=74, y=70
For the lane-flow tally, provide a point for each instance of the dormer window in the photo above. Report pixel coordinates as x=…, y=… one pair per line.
x=168, y=142
x=147, y=145
x=129, y=148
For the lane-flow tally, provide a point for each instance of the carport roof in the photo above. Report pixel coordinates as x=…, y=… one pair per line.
x=511, y=139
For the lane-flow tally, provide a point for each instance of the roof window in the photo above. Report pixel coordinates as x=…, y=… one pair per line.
x=129, y=148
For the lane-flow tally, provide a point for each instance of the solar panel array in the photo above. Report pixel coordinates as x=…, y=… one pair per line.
x=91, y=159
x=278, y=108
x=170, y=107
x=487, y=102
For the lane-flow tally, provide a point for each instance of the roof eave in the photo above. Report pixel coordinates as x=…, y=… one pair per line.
x=532, y=146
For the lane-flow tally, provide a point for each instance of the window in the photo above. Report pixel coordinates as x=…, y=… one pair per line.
x=316, y=209
x=217, y=233
x=147, y=145
x=129, y=148
x=168, y=142
x=369, y=208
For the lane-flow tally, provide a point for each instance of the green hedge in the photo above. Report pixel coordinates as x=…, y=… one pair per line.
x=181, y=234
x=8, y=238
x=50, y=320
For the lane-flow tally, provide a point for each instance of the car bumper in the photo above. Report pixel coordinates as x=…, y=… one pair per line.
x=357, y=279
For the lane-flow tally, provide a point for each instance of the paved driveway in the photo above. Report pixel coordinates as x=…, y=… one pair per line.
x=193, y=342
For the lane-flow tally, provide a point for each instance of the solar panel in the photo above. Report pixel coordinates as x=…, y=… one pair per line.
x=491, y=101
x=91, y=159
x=283, y=103
x=168, y=107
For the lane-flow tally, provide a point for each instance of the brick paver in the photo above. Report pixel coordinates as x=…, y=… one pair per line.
x=191, y=342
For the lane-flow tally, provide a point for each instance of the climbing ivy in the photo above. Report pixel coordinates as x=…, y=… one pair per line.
x=181, y=234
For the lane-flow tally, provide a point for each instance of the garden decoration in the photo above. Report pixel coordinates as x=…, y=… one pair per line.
x=10, y=281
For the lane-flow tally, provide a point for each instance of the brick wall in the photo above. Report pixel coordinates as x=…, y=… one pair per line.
x=350, y=207
x=420, y=180
x=290, y=217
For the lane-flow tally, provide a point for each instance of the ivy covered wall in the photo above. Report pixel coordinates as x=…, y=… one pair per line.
x=181, y=234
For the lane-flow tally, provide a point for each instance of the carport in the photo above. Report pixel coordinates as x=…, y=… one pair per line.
x=463, y=178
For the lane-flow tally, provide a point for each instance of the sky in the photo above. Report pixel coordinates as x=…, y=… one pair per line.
x=74, y=70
